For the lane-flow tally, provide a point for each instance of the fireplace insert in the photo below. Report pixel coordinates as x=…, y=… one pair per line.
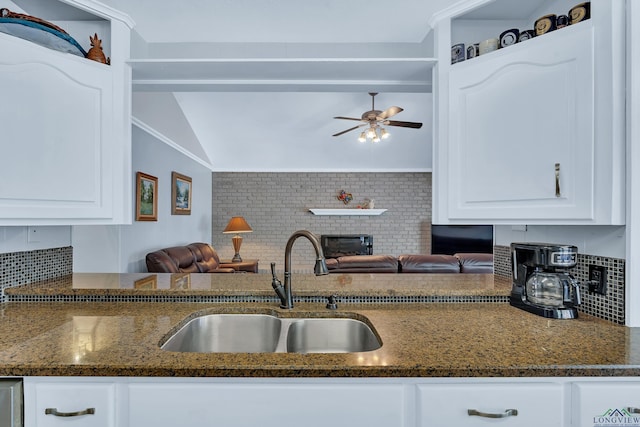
x=335, y=246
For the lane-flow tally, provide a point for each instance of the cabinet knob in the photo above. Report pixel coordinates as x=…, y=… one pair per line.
x=505, y=414
x=54, y=412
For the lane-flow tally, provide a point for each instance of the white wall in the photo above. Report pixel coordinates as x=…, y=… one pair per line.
x=599, y=240
x=123, y=248
x=19, y=239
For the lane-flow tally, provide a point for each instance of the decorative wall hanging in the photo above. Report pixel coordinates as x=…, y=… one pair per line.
x=180, y=194
x=149, y=282
x=345, y=197
x=146, y=197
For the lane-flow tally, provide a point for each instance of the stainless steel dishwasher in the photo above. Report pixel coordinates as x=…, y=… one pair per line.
x=11, y=402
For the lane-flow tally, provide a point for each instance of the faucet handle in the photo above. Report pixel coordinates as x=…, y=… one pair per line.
x=273, y=270
x=332, y=304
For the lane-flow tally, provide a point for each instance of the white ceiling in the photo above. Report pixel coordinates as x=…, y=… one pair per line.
x=281, y=21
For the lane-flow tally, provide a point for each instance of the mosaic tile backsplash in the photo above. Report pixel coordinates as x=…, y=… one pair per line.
x=21, y=268
x=609, y=307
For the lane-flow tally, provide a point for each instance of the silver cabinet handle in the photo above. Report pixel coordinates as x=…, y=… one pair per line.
x=54, y=411
x=557, y=179
x=505, y=414
x=633, y=410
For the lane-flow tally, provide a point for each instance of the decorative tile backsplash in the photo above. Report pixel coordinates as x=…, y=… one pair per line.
x=21, y=268
x=609, y=307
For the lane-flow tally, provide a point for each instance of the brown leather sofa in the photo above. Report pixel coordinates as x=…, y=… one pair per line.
x=413, y=263
x=192, y=258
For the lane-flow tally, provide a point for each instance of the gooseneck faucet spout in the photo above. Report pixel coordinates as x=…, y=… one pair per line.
x=320, y=268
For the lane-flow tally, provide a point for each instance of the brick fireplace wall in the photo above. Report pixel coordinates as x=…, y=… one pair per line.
x=276, y=205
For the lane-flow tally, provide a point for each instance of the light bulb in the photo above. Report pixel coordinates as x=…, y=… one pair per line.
x=371, y=133
x=376, y=138
x=362, y=137
x=384, y=134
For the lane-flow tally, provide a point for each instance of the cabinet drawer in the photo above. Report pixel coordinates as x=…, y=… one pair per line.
x=609, y=403
x=284, y=405
x=442, y=405
x=72, y=399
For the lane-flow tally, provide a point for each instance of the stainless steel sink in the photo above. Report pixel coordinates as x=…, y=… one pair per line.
x=331, y=336
x=262, y=333
x=227, y=333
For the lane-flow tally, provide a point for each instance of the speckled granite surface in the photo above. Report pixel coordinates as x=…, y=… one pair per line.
x=419, y=340
x=304, y=285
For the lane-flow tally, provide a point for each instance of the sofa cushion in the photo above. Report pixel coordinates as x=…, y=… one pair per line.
x=160, y=262
x=367, y=264
x=475, y=263
x=192, y=258
x=423, y=263
x=206, y=258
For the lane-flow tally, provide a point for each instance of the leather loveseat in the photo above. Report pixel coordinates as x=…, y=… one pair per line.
x=192, y=258
x=413, y=263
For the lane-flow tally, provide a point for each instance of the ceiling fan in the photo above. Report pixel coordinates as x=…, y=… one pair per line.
x=375, y=119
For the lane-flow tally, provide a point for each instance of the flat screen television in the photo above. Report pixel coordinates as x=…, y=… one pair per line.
x=451, y=239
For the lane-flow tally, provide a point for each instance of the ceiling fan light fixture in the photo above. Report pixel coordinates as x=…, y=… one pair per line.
x=384, y=134
x=376, y=138
x=363, y=137
x=371, y=133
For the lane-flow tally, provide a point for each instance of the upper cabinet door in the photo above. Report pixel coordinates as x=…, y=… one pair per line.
x=520, y=145
x=66, y=126
x=532, y=133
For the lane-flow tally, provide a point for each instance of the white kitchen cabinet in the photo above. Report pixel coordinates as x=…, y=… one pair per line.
x=481, y=404
x=401, y=402
x=69, y=402
x=533, y=133
x=606, y=404
x=251, y=404
x=66, y=122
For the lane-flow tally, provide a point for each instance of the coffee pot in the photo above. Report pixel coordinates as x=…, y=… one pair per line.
x=542, y=283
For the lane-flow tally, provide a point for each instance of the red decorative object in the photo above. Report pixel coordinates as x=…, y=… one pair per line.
x=345, y=197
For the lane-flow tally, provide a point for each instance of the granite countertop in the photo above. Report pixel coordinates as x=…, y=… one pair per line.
x=419, y=339
x=166, y=285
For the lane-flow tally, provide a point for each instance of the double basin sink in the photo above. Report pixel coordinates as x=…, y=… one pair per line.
x=266, y=333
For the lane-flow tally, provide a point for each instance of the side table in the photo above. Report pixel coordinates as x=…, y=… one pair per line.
x=246, y=265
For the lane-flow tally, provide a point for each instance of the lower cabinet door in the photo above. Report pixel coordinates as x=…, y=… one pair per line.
x=69, y=404
x=530, y=405
x=282, y=405
x=606, y=404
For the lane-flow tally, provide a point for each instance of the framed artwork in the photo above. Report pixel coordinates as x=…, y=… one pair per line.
x=149, y=282
x=146, y=197
x=180, y=281
x=180, y=194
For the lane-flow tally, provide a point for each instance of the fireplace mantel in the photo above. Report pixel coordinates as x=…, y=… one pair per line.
x=352, y=212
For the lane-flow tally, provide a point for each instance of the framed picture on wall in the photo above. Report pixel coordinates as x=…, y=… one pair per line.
x=180, y=194
x=146, y=197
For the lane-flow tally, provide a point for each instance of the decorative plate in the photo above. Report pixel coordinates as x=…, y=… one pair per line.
x=42, y=35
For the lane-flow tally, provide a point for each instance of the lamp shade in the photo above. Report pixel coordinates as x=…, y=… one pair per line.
x=237, y=224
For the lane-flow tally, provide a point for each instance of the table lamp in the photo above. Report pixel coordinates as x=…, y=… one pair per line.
x=237, y=225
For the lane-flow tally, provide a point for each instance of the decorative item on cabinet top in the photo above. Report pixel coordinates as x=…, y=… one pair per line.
x=542, y=25
x=44, y=33
x=96, y=53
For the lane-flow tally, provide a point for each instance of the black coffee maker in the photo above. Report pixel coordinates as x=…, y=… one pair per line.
x=541, y=283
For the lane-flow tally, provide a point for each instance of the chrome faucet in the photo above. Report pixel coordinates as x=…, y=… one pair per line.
x=320, y=268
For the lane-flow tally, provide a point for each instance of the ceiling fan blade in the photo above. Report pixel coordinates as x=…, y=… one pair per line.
x=414, y=125
x=391, y=111
x=349, y=130
x=348, y=118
